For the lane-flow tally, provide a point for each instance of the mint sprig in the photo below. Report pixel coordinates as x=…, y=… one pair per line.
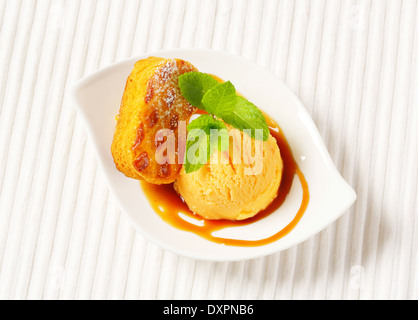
x=246, y=117
x=220, y=100
x=205, y=135
x=194, y=85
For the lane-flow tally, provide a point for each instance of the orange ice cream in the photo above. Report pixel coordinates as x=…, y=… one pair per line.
x=234, y=185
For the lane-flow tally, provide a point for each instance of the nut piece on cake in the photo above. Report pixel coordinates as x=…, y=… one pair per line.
x=152, y=101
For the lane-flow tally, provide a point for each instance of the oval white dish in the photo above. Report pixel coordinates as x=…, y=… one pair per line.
x=97, y=99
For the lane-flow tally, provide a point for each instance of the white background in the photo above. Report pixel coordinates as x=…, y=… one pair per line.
x=352, y=63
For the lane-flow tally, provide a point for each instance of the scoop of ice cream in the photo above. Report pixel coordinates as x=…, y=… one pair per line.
x=235, y=184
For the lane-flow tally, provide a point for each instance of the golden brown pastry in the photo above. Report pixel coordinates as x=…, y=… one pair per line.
x=151, y=101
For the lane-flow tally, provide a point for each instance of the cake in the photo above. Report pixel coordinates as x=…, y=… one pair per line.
x=151, y=102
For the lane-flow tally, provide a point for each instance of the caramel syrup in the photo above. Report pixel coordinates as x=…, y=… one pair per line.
x=168, y=204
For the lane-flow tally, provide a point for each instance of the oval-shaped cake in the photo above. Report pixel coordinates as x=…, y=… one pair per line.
x=152, y=101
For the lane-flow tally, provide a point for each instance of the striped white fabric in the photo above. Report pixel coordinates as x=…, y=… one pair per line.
x=353, y=63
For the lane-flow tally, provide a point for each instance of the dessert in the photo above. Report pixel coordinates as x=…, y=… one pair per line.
x=152, y=101
x=226, y=191
x=172, y=209
x=230, y=165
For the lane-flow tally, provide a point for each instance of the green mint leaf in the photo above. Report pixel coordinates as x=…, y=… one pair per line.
x=206, y=122
x=246, y=116
x=194, y=85
x=203, y=122
x=197, y=150
x=222, y=96
x=205, y=135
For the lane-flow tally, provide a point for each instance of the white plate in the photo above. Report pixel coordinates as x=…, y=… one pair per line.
x=98, y=99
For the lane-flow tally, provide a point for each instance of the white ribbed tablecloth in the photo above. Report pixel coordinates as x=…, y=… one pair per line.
x=352, y=63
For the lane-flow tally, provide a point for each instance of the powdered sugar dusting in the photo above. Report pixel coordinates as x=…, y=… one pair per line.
x=164, y=94
x=167, y=70
x=169, y=99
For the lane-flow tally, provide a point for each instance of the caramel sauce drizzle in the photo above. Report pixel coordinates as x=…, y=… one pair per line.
x=168, y=204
